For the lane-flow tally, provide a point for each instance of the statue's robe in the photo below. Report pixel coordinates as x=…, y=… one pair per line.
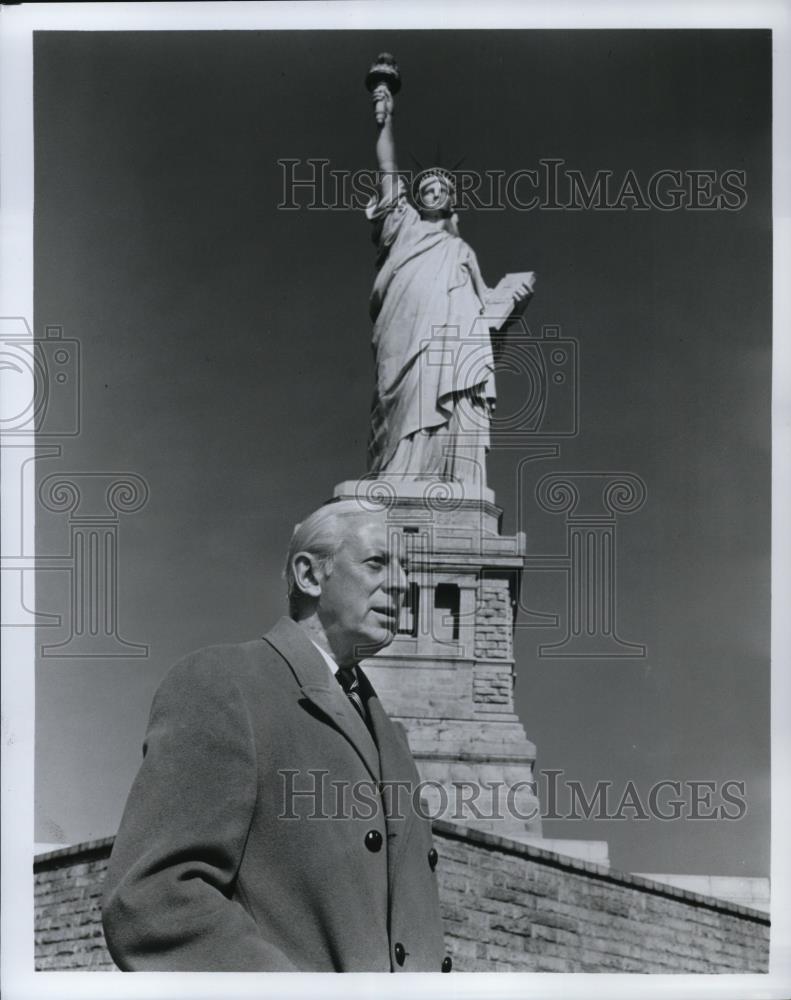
x=432, y=350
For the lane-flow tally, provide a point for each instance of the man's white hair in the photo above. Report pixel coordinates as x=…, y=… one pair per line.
x=321, y=535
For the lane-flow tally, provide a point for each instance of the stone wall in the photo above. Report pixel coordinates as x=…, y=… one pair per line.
x=491, y=687
x=494, y=621
x=513, y=907
x=68, y=919
x=507, y=907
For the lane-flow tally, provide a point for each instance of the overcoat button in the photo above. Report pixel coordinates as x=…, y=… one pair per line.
x=432, y=858
x=400, y=954
x=447, y=963
x=373, y=841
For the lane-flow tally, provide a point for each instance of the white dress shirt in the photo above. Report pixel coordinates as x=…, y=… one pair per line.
x=329, y=660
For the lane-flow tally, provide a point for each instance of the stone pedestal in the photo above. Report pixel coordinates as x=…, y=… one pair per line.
x=448, y=676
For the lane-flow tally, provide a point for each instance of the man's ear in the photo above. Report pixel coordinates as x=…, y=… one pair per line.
x=307, y=575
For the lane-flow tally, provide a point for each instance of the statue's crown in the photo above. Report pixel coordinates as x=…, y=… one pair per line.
x=426, y=177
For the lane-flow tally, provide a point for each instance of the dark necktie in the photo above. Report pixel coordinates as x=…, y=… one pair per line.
x=348, y=681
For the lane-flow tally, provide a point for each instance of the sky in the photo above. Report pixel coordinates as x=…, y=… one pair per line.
x=225, y=359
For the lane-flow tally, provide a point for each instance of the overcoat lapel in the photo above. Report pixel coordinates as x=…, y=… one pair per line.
x=322, y=690
x=399, y=778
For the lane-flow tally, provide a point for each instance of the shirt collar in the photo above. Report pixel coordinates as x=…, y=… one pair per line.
x=328, y=659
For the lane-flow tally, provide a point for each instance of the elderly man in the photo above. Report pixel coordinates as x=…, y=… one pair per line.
x=232, y=854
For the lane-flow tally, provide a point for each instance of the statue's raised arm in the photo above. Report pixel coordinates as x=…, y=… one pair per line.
x=384, y=81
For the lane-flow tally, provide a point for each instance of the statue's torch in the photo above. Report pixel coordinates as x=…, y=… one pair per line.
x=383, y=74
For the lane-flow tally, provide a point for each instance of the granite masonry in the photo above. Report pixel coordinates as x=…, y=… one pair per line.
x=507, y=906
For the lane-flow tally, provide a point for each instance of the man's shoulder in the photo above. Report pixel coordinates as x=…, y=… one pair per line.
x=221, y=667
x=223, y=655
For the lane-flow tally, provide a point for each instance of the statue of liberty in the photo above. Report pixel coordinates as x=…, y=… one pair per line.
x=434, y=392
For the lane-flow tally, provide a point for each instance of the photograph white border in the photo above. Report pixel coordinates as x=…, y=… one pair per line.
x=17, y=24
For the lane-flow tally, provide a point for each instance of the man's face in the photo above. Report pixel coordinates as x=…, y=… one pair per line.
x=361, y=599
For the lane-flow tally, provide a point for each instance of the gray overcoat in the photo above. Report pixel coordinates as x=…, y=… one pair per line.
x=255, y=836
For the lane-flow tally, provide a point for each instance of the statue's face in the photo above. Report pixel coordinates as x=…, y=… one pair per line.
x=434, y=198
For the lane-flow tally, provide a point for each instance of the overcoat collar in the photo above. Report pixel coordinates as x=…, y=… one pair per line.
x=322, y=690
x=389, y=760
